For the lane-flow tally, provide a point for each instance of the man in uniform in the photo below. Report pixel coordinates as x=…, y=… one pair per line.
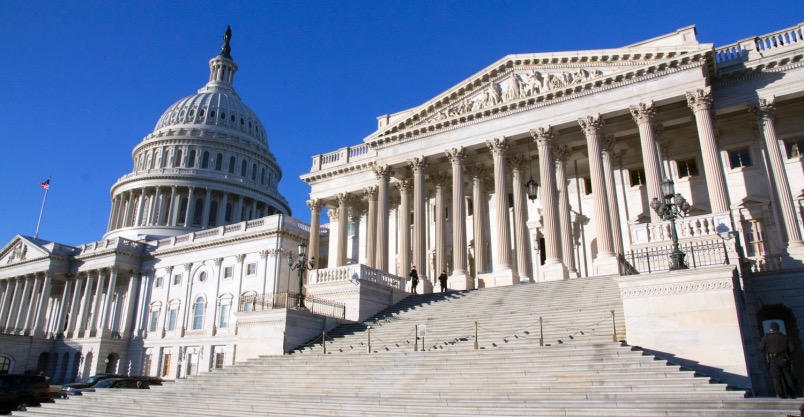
x=778, y=349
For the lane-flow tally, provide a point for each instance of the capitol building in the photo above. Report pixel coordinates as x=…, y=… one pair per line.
x=671, y=165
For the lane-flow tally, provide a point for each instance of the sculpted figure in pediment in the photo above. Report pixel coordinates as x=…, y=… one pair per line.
x=534, y=84
x=18, y=253
x=513, y=91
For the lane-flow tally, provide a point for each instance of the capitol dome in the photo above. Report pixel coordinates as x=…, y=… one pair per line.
x=206, y=164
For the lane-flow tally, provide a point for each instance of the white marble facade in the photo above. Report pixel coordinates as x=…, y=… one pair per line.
x=441, y=186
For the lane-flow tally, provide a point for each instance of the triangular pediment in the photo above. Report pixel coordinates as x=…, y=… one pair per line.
x=524, y=81
x=22, y=248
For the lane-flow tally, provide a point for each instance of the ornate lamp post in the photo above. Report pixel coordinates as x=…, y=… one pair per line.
x=674, y=205
x=302, y=265
x=532, y=186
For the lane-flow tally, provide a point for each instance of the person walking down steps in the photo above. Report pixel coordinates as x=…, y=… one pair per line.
x=778, y=348
x=414, y=280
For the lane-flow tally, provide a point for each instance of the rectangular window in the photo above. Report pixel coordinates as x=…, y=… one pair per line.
x=223, y=320
x=755, y=236
x=154, y=319
x=219, y=360
x=351, y=228
x=687, y=168
x=166, y=364
x=637, y=176
x=587, y=185
x=158, y=282
x=172, y=315
x=228, y=272
x=251, y=269
x=794, y=147
x=177, y=279
x=740, y=158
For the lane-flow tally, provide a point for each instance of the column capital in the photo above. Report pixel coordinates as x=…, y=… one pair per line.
x=764, y=109
x=240, y=257
x=417, y=164
x=217, y=261
x=498, y=146
x=343, y=199
x=266, y=252
x=608, y=143
x=382, y=171
x=516, y=161
x=643, y=113
x=561, y=153
x=591, y=124
x=700, y=99
x=456, y=155
x=314, y=204
x=477, y=171
x=188, y=266
x=542, y=135
x=332, y=213
x=440, y=177
x=404, y=186
x=371, y=192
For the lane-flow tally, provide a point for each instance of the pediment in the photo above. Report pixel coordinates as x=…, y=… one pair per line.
x=21, y=249
x=522, y=82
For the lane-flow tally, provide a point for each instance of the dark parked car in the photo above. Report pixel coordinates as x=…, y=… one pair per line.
x=17, y=392
x=86, y=383
x=151, y=380
x=115, y=383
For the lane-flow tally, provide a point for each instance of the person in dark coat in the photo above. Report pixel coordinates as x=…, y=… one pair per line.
x=414, y=280
x=778, y=350
x=442, y=279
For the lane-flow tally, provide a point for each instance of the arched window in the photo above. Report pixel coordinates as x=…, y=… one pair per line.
x=177, y=161
x=205, y=160
x=232, y=163
x=227, y=217
x=191, y=159
x=183, y=208
x=198, y=214
x=165, y=157
x=254, y=172
x=262, y=177
x=219, y=162
x=198, y=313
x=243, y=169
x=158, y=159
x=213, y=214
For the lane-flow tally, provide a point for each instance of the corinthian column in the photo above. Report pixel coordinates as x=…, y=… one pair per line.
x=315, y=229
x=418, y=165
x=106, y=313
x=553, y=268
x=404, y=187
x=561, y=154
x=521, y=247
x=478, y=172
x=38, y=326
x=381, y=252
x=611, y=194
x=371, y=226
x=700, y=101
x=780, y=185
x=460, y=279
x=605, y=262
x=503, y=274
x=343, y=225
x=643, y=116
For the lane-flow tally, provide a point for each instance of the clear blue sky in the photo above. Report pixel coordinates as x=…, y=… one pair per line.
x=84, y=81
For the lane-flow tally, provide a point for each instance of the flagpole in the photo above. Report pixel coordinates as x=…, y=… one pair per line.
x=38, y=222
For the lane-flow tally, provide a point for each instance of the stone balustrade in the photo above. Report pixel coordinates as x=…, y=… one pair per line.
x=757, y=47
x=342, y=156
x=706, y=225
x=355, y=273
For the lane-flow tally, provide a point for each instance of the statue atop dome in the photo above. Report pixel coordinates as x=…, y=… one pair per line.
x=226, y=50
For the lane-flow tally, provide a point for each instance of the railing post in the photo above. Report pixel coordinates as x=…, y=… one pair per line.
x=692, y=253
x=541, y=332
x=415, y=337
x=613, y=327
x=475, y=335
x=369, y=339
x=324, y=338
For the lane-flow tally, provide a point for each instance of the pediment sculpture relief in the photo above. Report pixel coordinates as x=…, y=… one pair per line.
x=514, y=87
x=18, y=253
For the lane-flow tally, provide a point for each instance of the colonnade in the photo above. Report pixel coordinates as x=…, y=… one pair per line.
x=176, y=206
x=90, y=304
x=511, y=259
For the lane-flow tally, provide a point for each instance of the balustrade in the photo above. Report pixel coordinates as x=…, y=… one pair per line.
x=355, y=273
x=707, y=225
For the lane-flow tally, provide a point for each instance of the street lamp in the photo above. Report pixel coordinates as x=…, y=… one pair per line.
x=532, y=186
x=672, y=206
x=301, y=265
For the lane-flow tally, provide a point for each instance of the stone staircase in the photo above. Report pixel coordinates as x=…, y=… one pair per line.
x=574, y=370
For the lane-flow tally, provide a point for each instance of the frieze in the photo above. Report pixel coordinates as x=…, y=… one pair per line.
x=678, y=288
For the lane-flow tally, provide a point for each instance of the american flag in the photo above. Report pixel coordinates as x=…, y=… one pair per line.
x=45, y=184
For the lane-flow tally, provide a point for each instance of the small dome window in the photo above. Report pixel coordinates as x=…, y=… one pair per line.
x=223, y=115
x=201, y=113
x=212, y=114
x=181, y=114
x=232, y=119
x=249, y=124
x=242, y=121
x=192, y=112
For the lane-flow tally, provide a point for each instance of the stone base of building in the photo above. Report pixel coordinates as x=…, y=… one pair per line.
x=553, y=272
x=503, y=277
x=606, y=265
x=460, y=282
x=362, y=298
x=276, y=332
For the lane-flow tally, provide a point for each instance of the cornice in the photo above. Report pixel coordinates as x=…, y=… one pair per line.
x=765, y=68
x=415, y=125
x=221, y=241
x=363, y=166
x=677, y=288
